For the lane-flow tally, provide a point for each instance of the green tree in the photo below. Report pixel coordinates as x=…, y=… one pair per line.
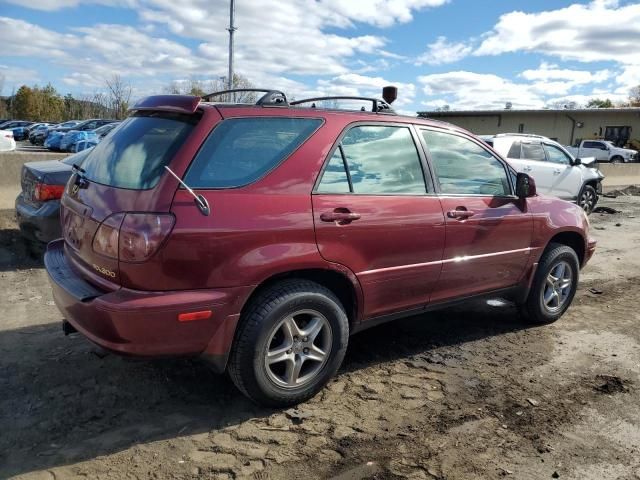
x=22, y=103
x=599, y=103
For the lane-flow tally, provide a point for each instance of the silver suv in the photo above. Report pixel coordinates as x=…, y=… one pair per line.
x=554, y=169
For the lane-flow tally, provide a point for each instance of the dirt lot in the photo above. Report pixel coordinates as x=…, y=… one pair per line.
x=463, y=394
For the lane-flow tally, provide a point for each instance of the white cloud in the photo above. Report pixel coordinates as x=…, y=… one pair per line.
x=361, y=85
x=52, y=5
x=475, y=91
x=442, y=51
x=11, y=77
x=602, y=30
x=381, y=13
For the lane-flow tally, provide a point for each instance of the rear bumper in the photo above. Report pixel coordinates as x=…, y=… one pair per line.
x=141, y=323
x=40, y=223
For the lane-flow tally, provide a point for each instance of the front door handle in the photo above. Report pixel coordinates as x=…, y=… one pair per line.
x=557, y=171
x=527, y=168
x=460, y=214
x=342, y=216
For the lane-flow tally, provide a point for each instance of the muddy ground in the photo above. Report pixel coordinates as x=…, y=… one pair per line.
x=468, y=393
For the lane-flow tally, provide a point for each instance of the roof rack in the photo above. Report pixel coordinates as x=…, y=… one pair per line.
x=377, y=105
x=270, y=97
x=531, y=135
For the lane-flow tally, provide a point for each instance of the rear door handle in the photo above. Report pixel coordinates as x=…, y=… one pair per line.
x=527, y=168
x=460, y=214
x=342, y=216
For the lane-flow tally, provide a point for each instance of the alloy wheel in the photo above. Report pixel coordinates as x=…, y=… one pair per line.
x=587, y=200
x=557, y=287
x=297, y=349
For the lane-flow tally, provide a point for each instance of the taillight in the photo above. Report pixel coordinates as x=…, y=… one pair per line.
x=132, y=237
x=44, y=192
x=105, y=241
x=8, y=135
x=141, y=234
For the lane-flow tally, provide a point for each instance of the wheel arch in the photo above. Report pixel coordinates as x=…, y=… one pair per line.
x=342, y=283
x=572, y=239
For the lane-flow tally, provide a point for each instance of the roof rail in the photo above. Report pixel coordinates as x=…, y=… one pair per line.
x=270, y=97
x=531, y=135
x=377, y=105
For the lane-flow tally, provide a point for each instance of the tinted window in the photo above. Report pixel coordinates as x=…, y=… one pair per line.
x=533, y=151
x=463, y=167
x=597, y=145
x=383, y=160
x=334, y=178
x=555, y=155
x=135, y=154
x=241, y=150
x=514, y=151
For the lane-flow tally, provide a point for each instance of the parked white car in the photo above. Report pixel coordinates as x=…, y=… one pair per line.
x=554, y=169
x=603, y=151
x=7, y=142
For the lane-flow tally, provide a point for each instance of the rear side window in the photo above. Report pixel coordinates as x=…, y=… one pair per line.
x=514, y=151
x=239, y=151
x=597, y=145
x=374, y=160
x=533, y=151
x=135, y=154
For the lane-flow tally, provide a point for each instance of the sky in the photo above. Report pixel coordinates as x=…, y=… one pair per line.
x=464, y=54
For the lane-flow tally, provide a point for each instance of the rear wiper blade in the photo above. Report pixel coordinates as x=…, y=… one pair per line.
x=78, y=169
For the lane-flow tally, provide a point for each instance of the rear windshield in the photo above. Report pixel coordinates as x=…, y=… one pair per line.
x=135, y=154
x=239, y=151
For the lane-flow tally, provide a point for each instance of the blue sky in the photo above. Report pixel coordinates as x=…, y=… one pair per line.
x=464, y=54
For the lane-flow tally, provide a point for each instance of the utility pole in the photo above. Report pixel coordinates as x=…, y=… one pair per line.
x=231, y=29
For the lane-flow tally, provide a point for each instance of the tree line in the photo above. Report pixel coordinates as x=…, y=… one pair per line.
x=45, y=103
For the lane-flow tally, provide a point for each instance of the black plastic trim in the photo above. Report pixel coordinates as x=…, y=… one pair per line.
x=61, y=274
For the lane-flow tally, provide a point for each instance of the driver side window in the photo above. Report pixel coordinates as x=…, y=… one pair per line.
x=462, y=167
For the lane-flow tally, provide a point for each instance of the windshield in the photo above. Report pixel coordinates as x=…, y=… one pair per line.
x=135, y=154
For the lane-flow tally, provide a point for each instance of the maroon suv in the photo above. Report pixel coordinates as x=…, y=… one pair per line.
x=262, y=236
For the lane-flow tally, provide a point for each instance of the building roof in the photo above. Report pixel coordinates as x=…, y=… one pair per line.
x=470, y=113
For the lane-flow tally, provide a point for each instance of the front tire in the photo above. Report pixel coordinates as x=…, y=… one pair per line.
x=588, y=199
x=553, y=286
x=290, y=342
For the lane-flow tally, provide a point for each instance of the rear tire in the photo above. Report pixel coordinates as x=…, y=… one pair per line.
x=617, y=160
x=553, y=287
x=290, y=342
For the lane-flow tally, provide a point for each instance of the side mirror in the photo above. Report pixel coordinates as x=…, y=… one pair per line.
x=577, y=161
x=525, y=186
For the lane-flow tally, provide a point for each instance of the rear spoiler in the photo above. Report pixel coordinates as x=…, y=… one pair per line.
x=168, y=103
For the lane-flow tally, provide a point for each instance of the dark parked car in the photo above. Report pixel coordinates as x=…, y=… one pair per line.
x=262, y=236
x=18, y=127
x=38, y=204
x=11, y=124
x=36, y=132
